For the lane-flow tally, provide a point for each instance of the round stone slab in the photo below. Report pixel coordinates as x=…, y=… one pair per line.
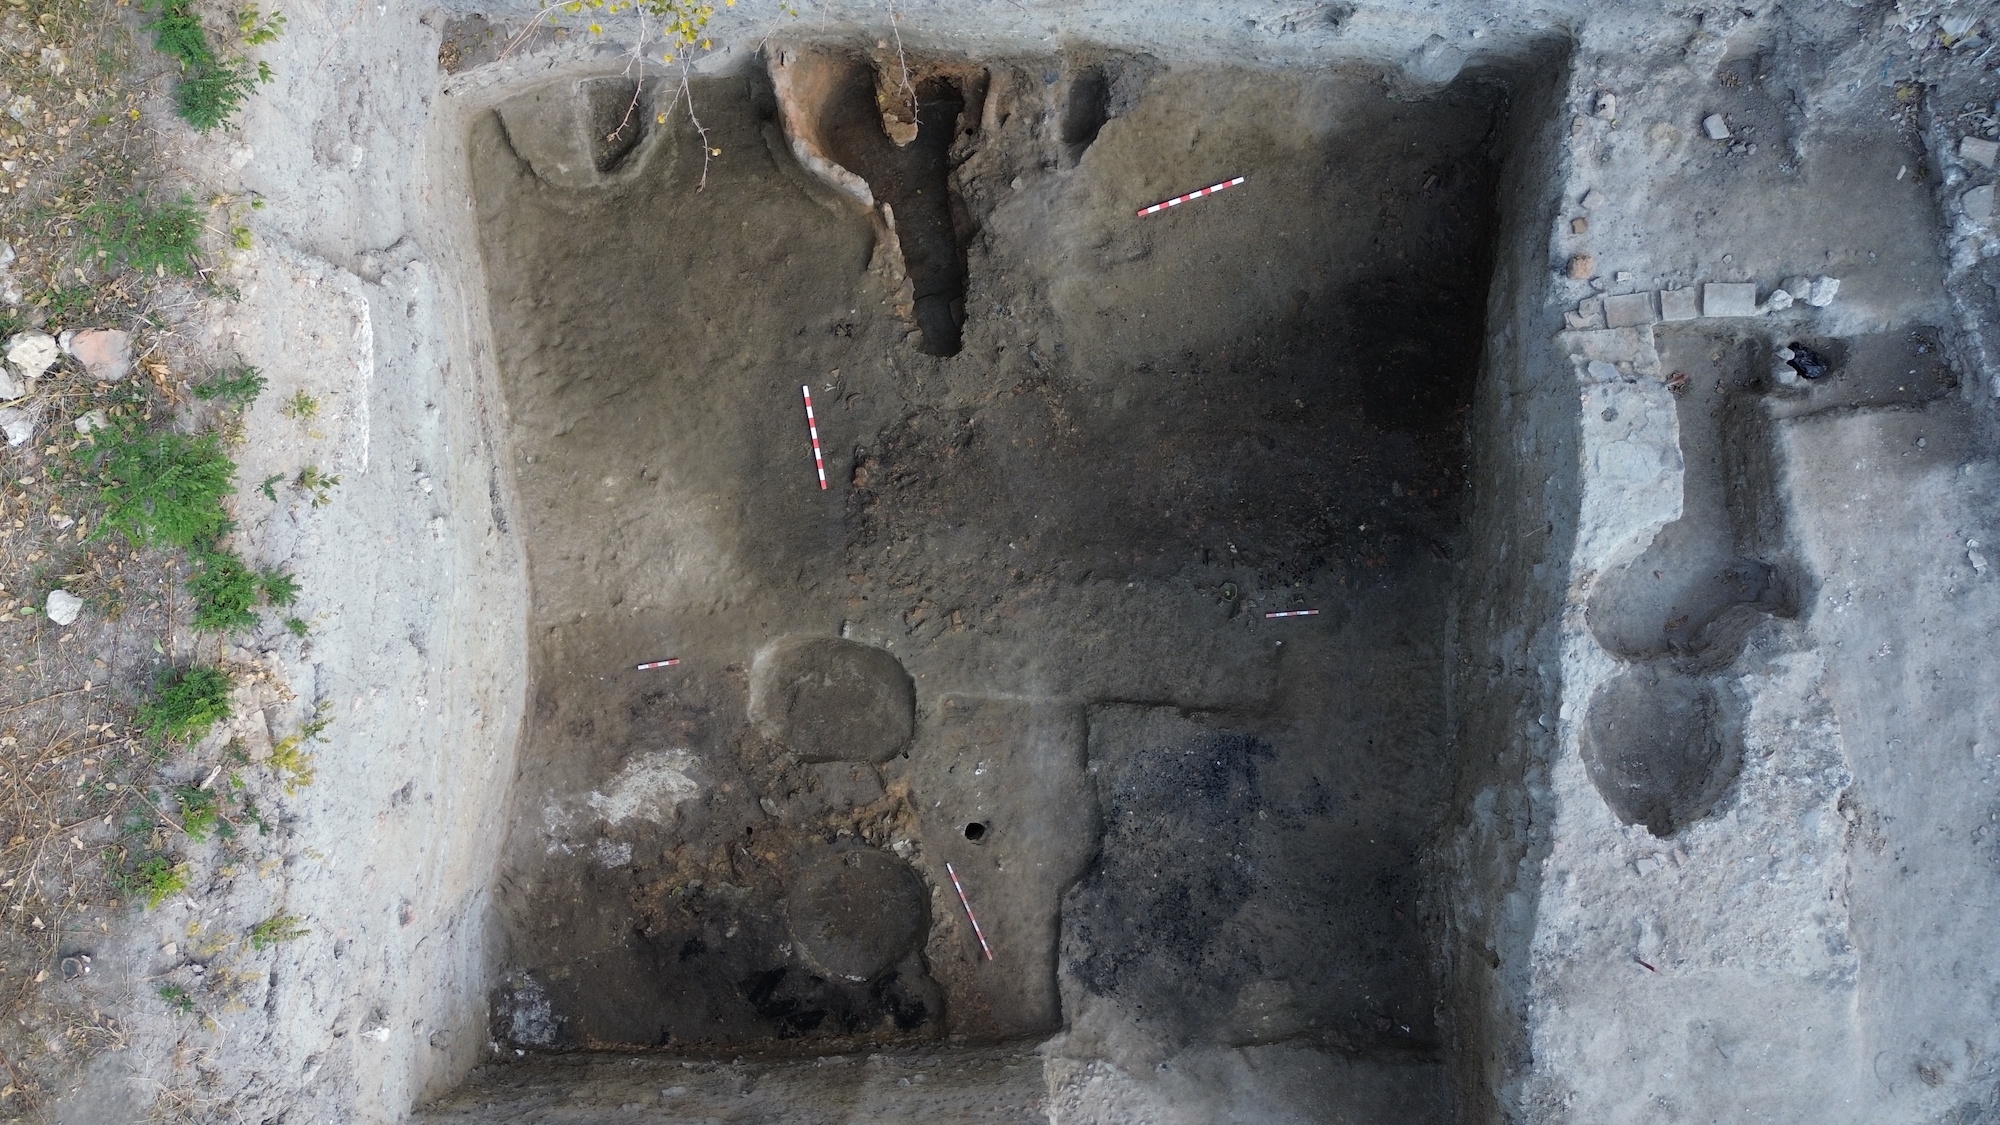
x=856, y=913
x=830, y=700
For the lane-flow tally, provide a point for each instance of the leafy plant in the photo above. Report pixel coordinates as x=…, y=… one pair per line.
x=186, y=703
x=143, y=236
x=280, y=589
x=178, y=999
x=64, y=305
x=278, y=928
x=302, y=406
x=212, y=87
x=318, y=484
x=223, y=590
x=238, y=386
x=210, y=95
x=270, y=487
x=297, y=626
x=292, y=764
x=156, y=880
x=201, y=813
x=257, y=29
x=681, y=22
x=164, y=488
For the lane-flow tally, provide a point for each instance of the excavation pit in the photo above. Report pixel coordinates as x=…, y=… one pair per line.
x=1026, y=628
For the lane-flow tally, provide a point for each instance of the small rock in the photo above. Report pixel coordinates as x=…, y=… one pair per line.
x=1677, y=304
x=1729, y=298
x=64, y=607
x=1716, y=128
x=1579, y=225
x=1577, y=321
x=1593, y=199
x=32, y=353
x=1807, y=362
x=1624, y=277
x=1977, y=205
x=1607, y=106
x=106, y=353
x=1781, y=299
x=1798, y=287
x=1628, y=310
x=6, y=255
x=17, y=424
x=1581, y=266
x=1973, y=150
x=91, y=422
x=1973, y=556
x=1822, y=292
x=10, y=387
x=1602, y=370
x=1646, y=865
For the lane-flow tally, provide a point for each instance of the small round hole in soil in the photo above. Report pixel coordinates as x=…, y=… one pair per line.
x=975, y=831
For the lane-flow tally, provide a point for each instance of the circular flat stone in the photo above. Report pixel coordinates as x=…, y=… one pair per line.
x=856, y=913
x=832, y=700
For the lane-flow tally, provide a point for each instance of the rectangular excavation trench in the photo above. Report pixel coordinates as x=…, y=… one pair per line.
x=1024, y=629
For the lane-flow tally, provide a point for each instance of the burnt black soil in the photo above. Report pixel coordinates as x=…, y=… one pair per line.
x=1153, y=433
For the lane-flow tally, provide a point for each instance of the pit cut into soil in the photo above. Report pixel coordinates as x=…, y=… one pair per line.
x=1025, y=630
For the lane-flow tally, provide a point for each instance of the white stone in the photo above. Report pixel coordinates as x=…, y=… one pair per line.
x=10, y=387
x=1729, y=298
x=1973, y=150
x=1781, y=299
x=1716, y=128
x=91, y=421
x=1592, y=199
x=1799, y=287
x=17, y=424
x=1646, y=865
x=1822, y=292
x=1602, y=371
x=1977, y=205
x=1607, y=106
x=32, y=353
x=64, y=607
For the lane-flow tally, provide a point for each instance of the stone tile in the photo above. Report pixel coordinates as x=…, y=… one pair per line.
x=1677, y=304
x=1628, y=310
x=1729, y=298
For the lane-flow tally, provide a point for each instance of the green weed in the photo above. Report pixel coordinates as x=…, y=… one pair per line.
x=223, y=590
x=143, y=236
x=280, y=589
x=298, y=627
x=317, y=484
x=278, y=928
x=186, y=703
x=164, y=488
x=238, y=386
x=178, y=999
x=302, y=406
x=201, y=813
x=270, y=487
x=212, y=87
x=64, y=306
x=257, y=29
x=292, y=765
x=156, y=880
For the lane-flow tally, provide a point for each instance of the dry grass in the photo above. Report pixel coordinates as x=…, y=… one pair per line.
x=76, y=779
